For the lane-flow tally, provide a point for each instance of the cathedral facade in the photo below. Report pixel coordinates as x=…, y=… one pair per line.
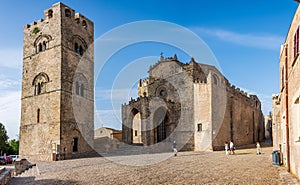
x=192, y=104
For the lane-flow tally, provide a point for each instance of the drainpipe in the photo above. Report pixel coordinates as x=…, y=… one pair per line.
x=287, y=116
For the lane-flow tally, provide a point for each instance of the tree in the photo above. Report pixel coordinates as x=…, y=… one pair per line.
x=3, y=140
x=13, y=147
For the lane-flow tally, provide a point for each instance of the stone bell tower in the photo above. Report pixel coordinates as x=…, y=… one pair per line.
x=57, y=111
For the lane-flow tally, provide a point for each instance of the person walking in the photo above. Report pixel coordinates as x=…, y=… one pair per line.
x=174, y=147
x=226, y=148
x=258, y=148
x=231, y=145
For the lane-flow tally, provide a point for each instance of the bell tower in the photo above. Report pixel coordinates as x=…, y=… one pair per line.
x=57, y=109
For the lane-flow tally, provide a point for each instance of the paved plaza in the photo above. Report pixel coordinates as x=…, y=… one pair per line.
x=245, y=167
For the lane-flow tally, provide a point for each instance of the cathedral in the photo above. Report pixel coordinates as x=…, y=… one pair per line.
x=192, y=104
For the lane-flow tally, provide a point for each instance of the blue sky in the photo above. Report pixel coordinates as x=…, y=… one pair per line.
x=245, y=37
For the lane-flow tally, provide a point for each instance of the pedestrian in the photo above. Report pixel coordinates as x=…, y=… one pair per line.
x=231, y=145
x=226, y=148
x=258, y=148
x=174, y=147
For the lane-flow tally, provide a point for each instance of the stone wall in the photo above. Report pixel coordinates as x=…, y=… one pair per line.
x=58, y=54
x=286, y=103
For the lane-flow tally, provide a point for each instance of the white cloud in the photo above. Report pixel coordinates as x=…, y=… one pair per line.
x=10, y=110
x=11, y=58
x=8, y=83
x=264, y=41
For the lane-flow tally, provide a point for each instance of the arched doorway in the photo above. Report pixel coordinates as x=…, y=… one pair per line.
x=160, y=121
x=136, y=130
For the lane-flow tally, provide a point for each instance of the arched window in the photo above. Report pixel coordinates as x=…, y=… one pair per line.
x=40, y=47
x=68, y=13
x=42, y=42
x=76, y=48
x=44, y=46
x=215, y=79
x=84, y=23
x=77, y=88
x=39, y=83
x=38, y=114
x=82, y=90
x=50, y=14
x=80, y=50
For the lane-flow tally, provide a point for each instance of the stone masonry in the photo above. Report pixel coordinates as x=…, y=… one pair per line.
x=192, y=104
x=57, y=113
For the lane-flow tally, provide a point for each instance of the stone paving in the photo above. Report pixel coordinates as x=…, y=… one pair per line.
x=245, y=167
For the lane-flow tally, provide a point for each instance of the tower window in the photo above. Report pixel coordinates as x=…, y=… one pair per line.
x=38, y=115
x=77, y=88
x=84, y=23
x=50, y=14
x=76, y=48
x=44, y=46
x=68, y=13
x=80, y=50
x=39, y=83
x=199, y=127
x=40, y=47
x=82, y=90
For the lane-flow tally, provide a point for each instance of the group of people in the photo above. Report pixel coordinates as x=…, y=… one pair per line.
x=230, y=148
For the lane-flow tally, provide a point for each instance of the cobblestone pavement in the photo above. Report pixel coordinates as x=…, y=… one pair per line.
x=245, y=167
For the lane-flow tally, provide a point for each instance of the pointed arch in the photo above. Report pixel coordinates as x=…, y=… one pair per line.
x=41, y=43
x=39, y=83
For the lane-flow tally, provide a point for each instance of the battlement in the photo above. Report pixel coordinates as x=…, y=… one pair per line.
x=58, y=11
x=251, y=99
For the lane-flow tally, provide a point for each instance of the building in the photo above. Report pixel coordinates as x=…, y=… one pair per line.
x=107, y=139
x=57, y=111
x=286, y=122
x=268, y=127
x=192, y=104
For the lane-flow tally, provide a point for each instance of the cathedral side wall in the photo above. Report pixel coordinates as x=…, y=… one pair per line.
x=243, y=121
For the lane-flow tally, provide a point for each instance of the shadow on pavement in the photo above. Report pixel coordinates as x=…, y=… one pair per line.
x=31, y=180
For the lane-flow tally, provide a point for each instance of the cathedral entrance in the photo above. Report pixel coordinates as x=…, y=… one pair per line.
x=160, y=121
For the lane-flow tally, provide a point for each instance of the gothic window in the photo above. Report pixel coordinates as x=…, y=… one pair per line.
x=39, y=83
x=80, y=50
x=82, y=90
x=40, y=47
x=77, y=88
x=77, y=20
x=44, y=46
x=68, y=13
x=38, y=114
x=199, y=127
x=75, y=144
x=50, y=14
x=42, y=42
x=76, y=48
x=215, y=79
x=84, y=23
x=79, y=44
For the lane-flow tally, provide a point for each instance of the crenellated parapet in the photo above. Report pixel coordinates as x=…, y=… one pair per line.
x=253, y=100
